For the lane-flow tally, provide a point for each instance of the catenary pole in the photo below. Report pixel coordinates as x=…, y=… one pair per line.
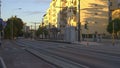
x=0, y=17
x=79, y=24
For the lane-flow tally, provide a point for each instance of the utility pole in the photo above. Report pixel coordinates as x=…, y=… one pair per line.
x=12, y=36
x=31, y=32
x=113, y=34
x=35, y=26
x=109, y=11
x=0, y=8
x=79, y=24
x=0, y=17
x=35, y=30
x=109, y=20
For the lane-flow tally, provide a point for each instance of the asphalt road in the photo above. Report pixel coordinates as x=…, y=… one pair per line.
x=81, y=56
x=15, y=56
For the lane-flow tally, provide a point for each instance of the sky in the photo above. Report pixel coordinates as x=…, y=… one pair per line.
x=30, y=11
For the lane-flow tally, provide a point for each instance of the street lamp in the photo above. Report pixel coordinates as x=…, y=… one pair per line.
x=0, y=8
x=109, y=11
x=0, y=17
x=12, y=34
x=12, y=25
x=79, y=24
x=109, y=20
x=113, y=34
x=35, y=29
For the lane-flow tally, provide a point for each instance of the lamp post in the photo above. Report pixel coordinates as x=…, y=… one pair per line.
x=31, y=32
x=113, y=25
x=109, y=11
x=79, y=24
x=113, y=34
x=12, y=24
x=0, y=17
x=35, y=30
x=12, y=34
x=0, y=8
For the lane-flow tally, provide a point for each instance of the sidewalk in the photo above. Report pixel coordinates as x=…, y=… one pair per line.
x=76, y=42
x=88, y=42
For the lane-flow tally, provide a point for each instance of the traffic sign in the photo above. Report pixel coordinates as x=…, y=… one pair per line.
x=2, y=24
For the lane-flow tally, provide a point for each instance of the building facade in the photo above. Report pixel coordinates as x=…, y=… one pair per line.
x=95, y=13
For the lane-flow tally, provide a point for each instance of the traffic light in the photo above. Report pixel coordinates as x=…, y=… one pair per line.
x=86, y=26
x=2, y=24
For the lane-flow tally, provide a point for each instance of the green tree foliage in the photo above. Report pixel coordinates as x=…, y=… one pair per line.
x=42, y=30
x=39, y=31
x=14, y=25
x=116, y=23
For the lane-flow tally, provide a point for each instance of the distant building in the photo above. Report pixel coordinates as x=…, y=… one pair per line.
x=26, y=29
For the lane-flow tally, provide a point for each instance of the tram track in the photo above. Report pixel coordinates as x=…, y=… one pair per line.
x=53, y=58
x=72, y=54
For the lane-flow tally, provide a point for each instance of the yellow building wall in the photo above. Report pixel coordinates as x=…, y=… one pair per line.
x=94, y=12
x=114, y=4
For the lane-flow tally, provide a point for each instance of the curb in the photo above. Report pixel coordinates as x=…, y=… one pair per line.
x=2, y=64
x=57, y=41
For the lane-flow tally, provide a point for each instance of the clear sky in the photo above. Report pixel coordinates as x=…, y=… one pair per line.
x=28, y=10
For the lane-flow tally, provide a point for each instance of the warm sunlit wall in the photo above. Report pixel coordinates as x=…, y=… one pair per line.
x=52, y=13
x=114, y=4
x=95, y=12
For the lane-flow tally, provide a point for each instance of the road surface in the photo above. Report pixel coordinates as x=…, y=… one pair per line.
x=15, y=56
x=74, y=55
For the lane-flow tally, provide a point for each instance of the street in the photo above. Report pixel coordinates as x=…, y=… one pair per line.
x=73, y=55
x=60, y=34
x=16, y=57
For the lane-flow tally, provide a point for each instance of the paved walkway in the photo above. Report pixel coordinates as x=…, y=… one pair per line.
x=89, y=42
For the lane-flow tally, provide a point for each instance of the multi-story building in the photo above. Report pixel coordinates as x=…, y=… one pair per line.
x=96, y=13
x=50, y=18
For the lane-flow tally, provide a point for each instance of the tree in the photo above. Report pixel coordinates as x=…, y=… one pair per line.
x=42, y=30
x=39, y=31
x=14, y=25
x=116, y=24
x=1, y=27
x=116, y=14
